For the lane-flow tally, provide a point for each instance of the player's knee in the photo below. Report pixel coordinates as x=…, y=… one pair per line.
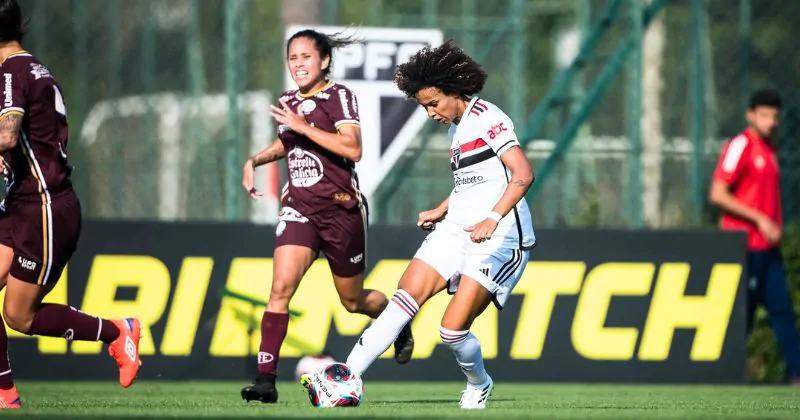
x=455, y=322
x=17, y=320
x=449, y=326
x=354, y=305
x=281, y=294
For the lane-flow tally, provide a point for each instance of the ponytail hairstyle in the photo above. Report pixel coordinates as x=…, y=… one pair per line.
x=12, y=25
x=325, y=44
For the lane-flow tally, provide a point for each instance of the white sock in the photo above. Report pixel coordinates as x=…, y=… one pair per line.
x=383, y=331
x=467, y=349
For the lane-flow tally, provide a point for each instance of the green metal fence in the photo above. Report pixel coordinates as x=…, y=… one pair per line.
x=622, y=104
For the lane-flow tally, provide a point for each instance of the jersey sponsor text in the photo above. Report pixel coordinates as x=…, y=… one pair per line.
x=305, y=169
x=479, y=176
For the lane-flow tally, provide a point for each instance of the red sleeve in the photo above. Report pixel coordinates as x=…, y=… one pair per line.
x=733, y=160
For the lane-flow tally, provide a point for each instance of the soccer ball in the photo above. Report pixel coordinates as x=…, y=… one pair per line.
x=335, y=386
x=310, y=364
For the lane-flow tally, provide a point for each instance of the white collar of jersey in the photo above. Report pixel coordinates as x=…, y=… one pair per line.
x=466, y=113
x=470, y=104
x=455, y=131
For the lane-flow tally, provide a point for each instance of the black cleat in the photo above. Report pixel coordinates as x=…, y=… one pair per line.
x=404, y=345
x=263, y=390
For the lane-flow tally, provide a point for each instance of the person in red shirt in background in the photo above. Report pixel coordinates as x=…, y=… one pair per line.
x=746, y=186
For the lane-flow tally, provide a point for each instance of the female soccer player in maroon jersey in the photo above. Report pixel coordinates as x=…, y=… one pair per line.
x=40, y=215
x=322, y=208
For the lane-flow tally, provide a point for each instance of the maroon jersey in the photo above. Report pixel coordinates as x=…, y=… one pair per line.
x=318, y=178
x=37, y=168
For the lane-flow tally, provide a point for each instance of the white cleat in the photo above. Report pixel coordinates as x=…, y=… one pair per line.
x=475, y=396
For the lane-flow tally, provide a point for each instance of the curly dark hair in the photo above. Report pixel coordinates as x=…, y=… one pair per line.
x=446, y=67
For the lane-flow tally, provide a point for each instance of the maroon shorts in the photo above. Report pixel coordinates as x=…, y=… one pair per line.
x=341, y=234
x=43, y=237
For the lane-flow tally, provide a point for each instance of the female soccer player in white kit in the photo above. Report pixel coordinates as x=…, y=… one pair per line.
x=483, y=231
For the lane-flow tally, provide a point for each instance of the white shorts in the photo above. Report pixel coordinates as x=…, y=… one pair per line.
x=450, y=252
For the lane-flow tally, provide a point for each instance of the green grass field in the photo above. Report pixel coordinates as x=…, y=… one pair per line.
x=387, y=400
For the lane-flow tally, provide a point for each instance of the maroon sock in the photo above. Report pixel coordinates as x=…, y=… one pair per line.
x=273, y=331
x=53, y=320
x=6, y=381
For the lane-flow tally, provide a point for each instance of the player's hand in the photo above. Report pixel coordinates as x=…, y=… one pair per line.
x=248, y=174
x=295, y=120
x=482, y=231
x=427, y=219
x=770, y=230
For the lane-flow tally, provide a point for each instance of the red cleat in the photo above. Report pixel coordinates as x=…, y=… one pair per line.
x=9, y=398
x=125, y=350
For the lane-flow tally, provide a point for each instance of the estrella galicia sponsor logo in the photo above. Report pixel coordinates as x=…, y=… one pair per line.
x=305, y=168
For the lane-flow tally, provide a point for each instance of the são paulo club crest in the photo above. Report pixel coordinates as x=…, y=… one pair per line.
x=455, y=154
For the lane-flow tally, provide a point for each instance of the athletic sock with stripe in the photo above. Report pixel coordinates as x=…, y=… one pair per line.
x=383, y=332
x=467, y=350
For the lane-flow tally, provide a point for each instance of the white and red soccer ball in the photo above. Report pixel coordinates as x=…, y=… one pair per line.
x=335, y=385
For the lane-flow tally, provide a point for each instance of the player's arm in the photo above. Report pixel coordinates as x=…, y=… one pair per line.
x=12, y=112
x=516, y=162
x=10, y=124
x=343, y=111
x=502, y=138
x=720, y=195
x=729, y=170
x=271, y=153
x=427, y=219
x=522, y=178
x=444, y=206
x=345, y=143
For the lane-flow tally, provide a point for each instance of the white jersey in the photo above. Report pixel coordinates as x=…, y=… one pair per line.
x=480, y=178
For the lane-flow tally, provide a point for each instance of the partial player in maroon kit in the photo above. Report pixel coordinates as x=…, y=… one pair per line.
x=323, y=209
x=40, y=216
